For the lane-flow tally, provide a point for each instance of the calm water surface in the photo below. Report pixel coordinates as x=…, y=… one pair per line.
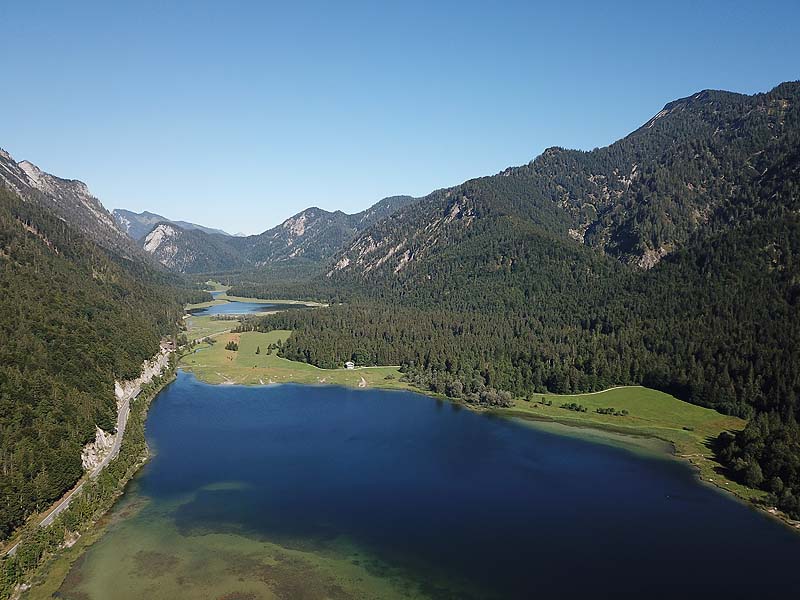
x=235, y=307
x=324, y=492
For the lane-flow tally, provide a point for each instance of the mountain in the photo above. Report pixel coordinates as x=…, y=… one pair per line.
x=306, y=240
x=315, y=234
x=191, y=250
x=70, y=199
x=667, y=259
x=75, y=315
x=138, y=225
x=697, y=165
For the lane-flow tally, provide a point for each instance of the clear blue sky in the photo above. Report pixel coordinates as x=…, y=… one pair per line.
x=239, y=114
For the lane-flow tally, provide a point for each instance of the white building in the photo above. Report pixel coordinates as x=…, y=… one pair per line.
x=349, y=365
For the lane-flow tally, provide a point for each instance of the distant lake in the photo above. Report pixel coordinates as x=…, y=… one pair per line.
x=234, y=307
x=317, y=492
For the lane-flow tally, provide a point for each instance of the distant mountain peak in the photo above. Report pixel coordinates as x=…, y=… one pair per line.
x=311, y=236
x=138, y=225
x=637, y=200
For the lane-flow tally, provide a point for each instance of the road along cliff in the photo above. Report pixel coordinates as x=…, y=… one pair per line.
x=105, y=448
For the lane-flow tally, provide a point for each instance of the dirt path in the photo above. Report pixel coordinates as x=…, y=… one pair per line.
x=227, y=380
x=616, y=387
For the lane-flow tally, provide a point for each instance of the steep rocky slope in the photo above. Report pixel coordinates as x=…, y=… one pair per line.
x=75, y=316
x=68, y=198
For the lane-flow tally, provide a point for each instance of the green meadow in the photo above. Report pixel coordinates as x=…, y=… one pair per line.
x=212, y=363
x=690, y=429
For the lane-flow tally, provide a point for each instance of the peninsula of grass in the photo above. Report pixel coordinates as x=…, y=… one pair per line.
x=207, y=326
x=212, y=363
x=640, y=411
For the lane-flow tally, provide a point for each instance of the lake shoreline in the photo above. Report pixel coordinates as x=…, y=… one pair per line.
x=715, y=483
x=190, y=407
x=719, y=482
x=47, y=578
x=52, y=573
x=687, y=446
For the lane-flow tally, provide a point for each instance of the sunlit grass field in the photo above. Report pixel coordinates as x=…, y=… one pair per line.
x=689, y=428
x=200, y=327
x=212, y=363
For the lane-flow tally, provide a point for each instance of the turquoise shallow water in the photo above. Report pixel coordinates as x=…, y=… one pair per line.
x=324, y=492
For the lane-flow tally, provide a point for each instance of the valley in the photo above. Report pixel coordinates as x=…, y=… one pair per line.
x=214, y=364
x=552, y=328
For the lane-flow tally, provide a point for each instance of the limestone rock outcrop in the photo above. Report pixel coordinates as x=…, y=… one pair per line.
x=94, y=452
x=150, y=369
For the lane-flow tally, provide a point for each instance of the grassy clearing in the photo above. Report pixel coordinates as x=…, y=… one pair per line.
x=215, y=364
x=687, y=427
x=200, y=327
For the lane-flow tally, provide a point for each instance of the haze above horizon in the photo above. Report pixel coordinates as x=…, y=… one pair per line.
x=238, y=116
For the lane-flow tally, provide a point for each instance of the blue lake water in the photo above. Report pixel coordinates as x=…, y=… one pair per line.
x=324, y=492
x=235, y=307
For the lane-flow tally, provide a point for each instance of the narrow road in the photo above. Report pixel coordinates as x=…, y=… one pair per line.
x=122, y=422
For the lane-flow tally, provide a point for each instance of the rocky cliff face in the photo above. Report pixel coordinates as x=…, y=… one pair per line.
x=191, y=251
x=95, y=452
x=150, y=370
x=138, y=225
x=310, y=237
x=409, y=236
x=68, y=198
x=702, y=164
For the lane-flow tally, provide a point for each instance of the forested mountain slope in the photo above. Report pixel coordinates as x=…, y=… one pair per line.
x=74, y=316
x=69, y=199
x=668, y=259
x=698, y=165
x=306, y=240
x=191, y=251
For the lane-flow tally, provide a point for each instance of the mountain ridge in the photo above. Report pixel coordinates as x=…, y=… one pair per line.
x=637, y=199
x=79, y=309
x=70, y=199
x=138, y=225
x=667, y=259
x=307, y=239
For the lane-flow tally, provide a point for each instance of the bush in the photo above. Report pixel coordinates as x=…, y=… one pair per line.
x=612, y=411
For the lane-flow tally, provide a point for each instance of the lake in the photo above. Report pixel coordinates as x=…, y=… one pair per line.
x=315, y=492
x=235, y=307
